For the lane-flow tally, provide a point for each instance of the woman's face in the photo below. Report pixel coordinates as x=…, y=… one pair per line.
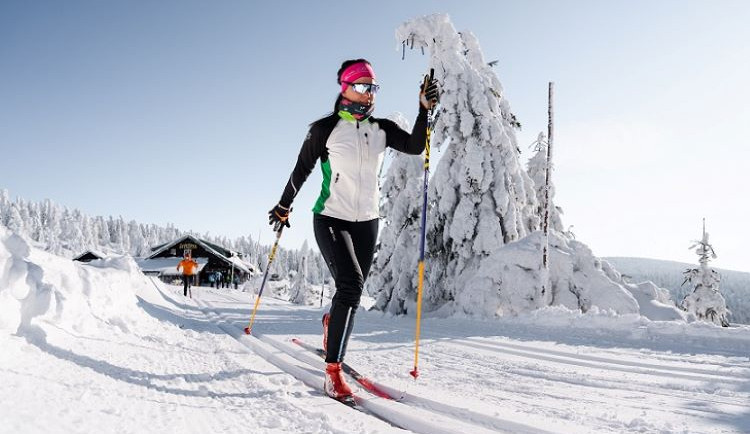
x=366, y=98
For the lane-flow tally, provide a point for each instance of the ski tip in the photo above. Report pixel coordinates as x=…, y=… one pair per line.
x=248, y=330
x=414, y=373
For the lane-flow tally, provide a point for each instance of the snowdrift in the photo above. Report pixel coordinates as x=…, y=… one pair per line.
x=37, y=287
x=508, y=282
x=735, y=285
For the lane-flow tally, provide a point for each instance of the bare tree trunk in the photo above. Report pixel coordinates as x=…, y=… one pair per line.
x=547, y=181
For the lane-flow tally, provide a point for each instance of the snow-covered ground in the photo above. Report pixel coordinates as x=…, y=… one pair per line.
x=101, y=348
x=734, y=285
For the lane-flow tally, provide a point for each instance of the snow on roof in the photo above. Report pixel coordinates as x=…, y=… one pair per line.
x=96, y=253
x=166, y=246
x=250, y=266
x=207, y=246
x=239, y=263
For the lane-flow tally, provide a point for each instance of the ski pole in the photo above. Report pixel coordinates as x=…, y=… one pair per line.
x=415, y=372
x=249, y=328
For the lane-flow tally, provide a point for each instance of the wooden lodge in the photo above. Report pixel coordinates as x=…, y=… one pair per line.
x=210, y=257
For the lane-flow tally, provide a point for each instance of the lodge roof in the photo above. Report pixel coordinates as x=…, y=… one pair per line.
x=221, y=253
x=90, y=253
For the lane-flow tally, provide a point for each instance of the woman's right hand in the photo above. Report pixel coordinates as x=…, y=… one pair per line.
x=278, y=217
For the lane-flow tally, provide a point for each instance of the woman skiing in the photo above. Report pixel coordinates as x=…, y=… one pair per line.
x=350, y=143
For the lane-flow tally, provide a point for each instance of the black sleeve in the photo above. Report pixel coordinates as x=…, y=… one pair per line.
x=402, y=141
x=312, y=148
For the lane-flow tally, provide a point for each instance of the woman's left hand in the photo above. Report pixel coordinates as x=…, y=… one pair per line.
x=429, y=93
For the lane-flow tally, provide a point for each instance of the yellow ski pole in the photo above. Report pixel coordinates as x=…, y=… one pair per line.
x=420, y=282
x=249, y=328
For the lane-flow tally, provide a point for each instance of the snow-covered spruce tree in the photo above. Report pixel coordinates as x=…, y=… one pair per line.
x=71, y=234
x=483, y=243
x=392, y=279
x=301, y=291
x=5, y=205
x=481, y=198
x=705, y=302
x=537, y=170
x=14, y=220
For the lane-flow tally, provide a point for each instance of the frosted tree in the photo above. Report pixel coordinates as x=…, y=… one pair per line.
x=87, y=231
x=32, y=220
x=15, y=222
x=137, y=241
x=49, y=234
x=318, y=269
x=301, y=289
x=481, y=198
x=102, y=231
x=537, y=170
x=5, y=205
x=705, y=302
x=393, y=275
x=71, y=233
x=124, y=238
x=66, y=232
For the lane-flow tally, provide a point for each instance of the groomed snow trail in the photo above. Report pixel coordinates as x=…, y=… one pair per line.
x=178, y=374
x=421, y=419
x=187, y=367
x=509, y=377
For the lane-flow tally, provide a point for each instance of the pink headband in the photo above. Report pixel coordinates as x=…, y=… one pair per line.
x=355, y=72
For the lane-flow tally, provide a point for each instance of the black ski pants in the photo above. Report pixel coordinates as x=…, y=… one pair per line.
x=348, y=249
x=186, y=281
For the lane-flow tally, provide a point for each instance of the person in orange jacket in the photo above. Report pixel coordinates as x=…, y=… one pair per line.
x=188, y=266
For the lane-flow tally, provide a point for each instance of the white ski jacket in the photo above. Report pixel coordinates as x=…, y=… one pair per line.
x=351, y=154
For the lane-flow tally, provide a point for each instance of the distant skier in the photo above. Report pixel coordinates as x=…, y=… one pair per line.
x=350, y=144
x=188, y=266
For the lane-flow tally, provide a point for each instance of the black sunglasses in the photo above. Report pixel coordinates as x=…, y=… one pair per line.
x=364, y=87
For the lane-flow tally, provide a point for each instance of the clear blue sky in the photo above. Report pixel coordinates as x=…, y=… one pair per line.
x=193, y=112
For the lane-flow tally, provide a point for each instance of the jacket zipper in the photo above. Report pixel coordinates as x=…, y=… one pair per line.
x=359, y=175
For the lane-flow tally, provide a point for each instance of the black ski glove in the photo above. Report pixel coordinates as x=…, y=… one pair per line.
x=278, y=217
x=429, y=92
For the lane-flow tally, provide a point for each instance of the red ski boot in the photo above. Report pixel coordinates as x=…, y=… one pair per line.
x=334, y=385
x=326, y=320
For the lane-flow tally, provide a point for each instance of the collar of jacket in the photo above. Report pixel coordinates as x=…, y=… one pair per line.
x=345, y=115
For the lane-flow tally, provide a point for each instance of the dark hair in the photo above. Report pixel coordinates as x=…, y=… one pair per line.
x=346, y=64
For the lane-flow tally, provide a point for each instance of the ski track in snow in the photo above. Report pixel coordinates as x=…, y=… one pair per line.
x=391, y=412
x=576, y=388
x=191, y=380
x=193, y=370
